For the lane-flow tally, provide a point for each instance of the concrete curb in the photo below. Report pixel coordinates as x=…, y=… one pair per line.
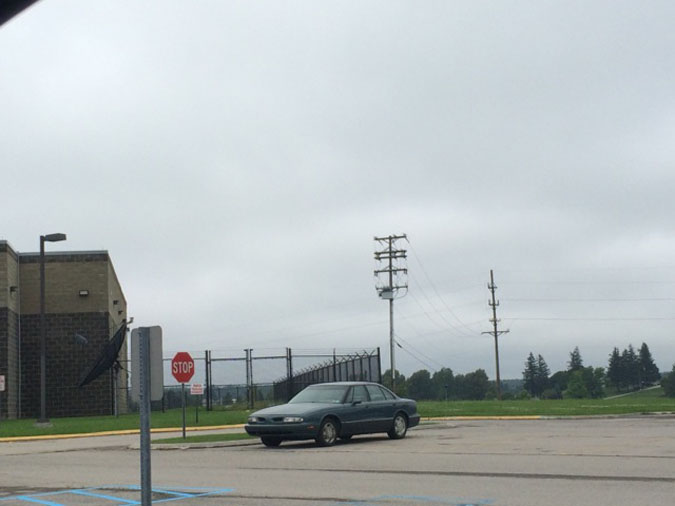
x=197, y=446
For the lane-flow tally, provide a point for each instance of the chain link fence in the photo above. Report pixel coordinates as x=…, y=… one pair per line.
x=264, y=378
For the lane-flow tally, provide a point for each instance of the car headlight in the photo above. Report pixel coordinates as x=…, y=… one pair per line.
x=252, y=419
x=292, y=419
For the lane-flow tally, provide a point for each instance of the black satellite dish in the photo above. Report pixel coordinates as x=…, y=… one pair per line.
x=108, y=356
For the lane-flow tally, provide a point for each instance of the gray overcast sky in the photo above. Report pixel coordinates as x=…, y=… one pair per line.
x=237, y=158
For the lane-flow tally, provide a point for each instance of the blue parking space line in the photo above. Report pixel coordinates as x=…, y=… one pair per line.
x=204, y=494
x=31, y=499
x=120, y=501
x=87, y=492
x=171, y=492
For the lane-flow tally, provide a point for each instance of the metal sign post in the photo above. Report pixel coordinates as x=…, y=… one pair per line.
x=182, y=368
x=144, y=362
x=182, y=398
x=197, y=389
x=147, y=383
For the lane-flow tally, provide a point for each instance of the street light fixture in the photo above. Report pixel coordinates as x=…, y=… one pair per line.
x=43, y=354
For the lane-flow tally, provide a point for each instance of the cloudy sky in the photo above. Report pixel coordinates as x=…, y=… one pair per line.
x=236, y=159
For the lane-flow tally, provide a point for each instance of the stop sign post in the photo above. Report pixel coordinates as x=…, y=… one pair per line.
x=182, y=368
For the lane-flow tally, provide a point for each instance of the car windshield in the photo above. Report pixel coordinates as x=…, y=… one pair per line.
x=325, y=394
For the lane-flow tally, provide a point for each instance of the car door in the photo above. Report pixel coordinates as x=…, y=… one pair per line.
x=381, y=410
x=356, y=414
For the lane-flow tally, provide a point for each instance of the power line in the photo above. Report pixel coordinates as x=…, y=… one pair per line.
x=591, y=299
x=433, y=286
x=417, y=358
x=600, y=319
x=417, y=350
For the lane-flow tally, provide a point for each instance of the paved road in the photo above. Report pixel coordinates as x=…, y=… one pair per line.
x=623, y=461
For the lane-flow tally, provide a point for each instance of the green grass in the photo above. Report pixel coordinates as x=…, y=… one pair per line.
x=648, y=401
x=75, y=425
x=204, y=438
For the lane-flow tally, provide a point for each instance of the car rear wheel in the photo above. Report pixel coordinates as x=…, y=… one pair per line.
x=271, y=441
x=328, y=433
x=399, y=428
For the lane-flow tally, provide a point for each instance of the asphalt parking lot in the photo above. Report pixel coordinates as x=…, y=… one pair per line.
x=615, y=461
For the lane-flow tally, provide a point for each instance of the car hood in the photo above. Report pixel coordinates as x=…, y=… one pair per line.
x=293, y=409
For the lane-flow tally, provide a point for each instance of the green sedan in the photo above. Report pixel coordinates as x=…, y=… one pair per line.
x=328, y=411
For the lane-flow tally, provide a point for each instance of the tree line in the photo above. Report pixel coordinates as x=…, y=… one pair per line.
x=442, y=385
x=626, y=371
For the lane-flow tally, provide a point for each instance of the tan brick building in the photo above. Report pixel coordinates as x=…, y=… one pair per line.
x=82, y=296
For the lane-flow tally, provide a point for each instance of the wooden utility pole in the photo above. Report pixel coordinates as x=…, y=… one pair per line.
x=389, y=290
x=495, y=332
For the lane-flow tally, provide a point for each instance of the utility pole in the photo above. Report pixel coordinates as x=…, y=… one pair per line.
x=390, y=260
x=495, y=332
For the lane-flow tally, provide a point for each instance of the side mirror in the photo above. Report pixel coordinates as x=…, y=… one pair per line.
x=354, y=403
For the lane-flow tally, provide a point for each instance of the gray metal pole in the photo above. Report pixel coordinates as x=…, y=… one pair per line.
x=146, y=473
x=182, y=397
x=43, y=346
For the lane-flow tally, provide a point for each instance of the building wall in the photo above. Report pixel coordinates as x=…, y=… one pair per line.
x=67, y=362
x=95, y=316
x=9, y=331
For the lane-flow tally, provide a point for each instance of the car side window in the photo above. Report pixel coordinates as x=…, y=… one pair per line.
x=375, y=392
x=387, y=394
x=358, y=393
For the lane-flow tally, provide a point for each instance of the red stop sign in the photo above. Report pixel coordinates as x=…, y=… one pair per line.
x=182, y=367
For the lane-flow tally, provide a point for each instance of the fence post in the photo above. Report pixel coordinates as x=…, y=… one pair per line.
x=249, y=377
x=334, y=366
x=289, y=372
x=206, y=375
x=379, y=367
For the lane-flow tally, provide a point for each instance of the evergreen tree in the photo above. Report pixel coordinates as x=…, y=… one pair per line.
x=575, y=362
x=530, y=375
x=615, y=372
x=631, y=367
x=649, y=372
x=541, y=381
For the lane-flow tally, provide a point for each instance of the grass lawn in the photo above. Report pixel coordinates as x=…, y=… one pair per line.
x=171, y=418
x=649, y=401
x=204, y=438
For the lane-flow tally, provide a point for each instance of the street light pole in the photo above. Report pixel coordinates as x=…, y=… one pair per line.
x=43, y=352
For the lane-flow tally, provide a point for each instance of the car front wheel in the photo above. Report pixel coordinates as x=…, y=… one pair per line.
x=328, y=433
x=271, y=441
x=399, y=428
